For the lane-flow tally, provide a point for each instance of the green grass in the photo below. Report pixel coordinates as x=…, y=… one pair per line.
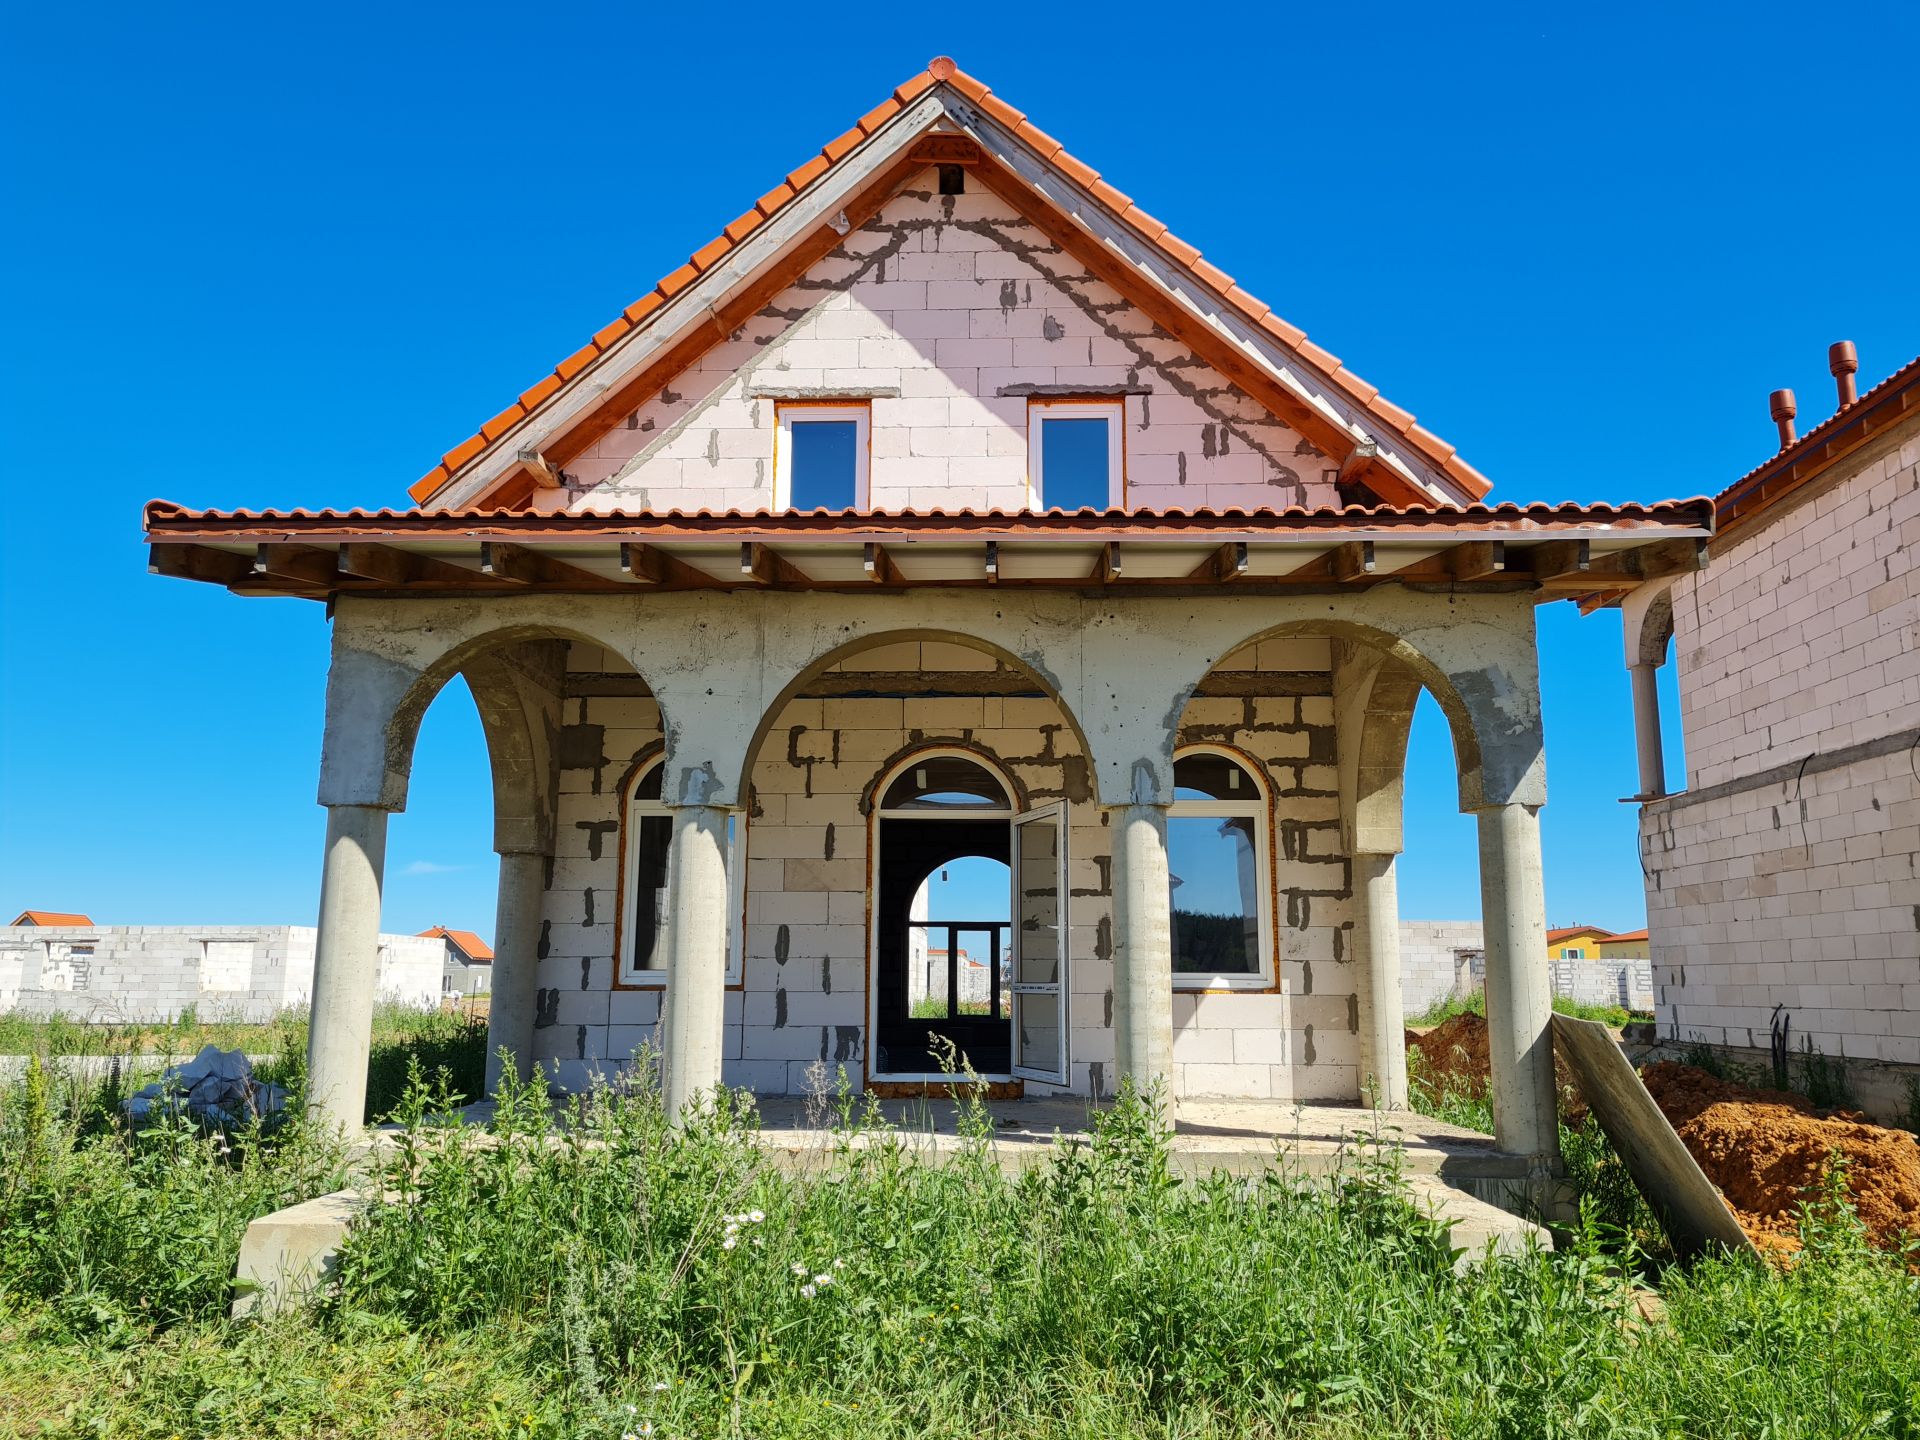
x=1476, y=1004
x=545, y=1284
x=438, y=1039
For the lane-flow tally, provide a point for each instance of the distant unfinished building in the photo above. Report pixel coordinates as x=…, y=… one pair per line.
x=1788, y=873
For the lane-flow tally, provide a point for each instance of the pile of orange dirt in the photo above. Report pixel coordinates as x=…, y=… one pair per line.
x=1767, y=1151
x=1454, y=1060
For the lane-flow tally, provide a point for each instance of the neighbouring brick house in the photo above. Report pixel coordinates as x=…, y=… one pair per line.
x=1788, y=872
x=947, y=506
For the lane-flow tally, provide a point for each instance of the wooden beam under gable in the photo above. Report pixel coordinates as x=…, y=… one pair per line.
x=197, y=562
x=879, y=566
x=1229, y=562
x=650, y=565
x=299, y=564
x=764, y=565
x=1106, y=569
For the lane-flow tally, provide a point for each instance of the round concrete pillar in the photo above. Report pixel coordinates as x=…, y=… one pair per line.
x=1519, y=984
x=1376, y=939
x=346, y=962
x=1646, y=730
x=696, y=992
x=516, y=963
x=1142, y=947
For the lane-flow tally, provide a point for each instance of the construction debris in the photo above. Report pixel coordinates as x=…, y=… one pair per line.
x=216, y=1087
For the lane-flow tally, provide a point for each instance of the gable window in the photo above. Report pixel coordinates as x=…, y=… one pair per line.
x=1074, y=454
x=820, y=457
x=1218, y=868
x=646, y=844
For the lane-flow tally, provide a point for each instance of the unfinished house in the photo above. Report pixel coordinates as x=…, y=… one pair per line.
x=946, y=509
x=1787, y=873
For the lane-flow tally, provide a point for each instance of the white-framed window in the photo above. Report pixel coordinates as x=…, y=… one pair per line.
x=646, y=845
x=1220, y=874
x=821, y=456
x=1076, y=454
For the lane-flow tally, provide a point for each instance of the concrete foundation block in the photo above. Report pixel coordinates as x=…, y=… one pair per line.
x=290, y=1256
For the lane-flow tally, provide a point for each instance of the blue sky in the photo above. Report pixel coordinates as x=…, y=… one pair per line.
x=264, y=255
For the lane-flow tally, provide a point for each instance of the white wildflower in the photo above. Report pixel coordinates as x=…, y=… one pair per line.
x=756, y=1216
x=839, y=1264
x=808, y=1291
x=798, y=1268
x=659, y=1386
x=823, y=1279
x=729, y=1243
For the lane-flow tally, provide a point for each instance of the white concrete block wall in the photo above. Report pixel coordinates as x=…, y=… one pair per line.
x=1805, y=635
x=1440, y=960
x=933, y=308
x=1790, y=873
x=151, y=973
x=801, y=1005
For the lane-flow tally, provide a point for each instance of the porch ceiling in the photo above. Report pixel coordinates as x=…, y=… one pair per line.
x=1558, y=551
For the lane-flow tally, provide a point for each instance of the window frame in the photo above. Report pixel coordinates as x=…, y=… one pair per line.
x=626, y=974
x=788, y=413
x=1259, y=808
x=1113, y=411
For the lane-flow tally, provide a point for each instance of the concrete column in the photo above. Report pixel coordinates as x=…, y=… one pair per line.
x=1376, y=940
x=346, y=962
x=1519, y=985
x=1142, y=946
x=516, y=963
x=1646, y=730
x=696, y=953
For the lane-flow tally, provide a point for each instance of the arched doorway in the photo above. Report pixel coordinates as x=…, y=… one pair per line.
x=954, y=962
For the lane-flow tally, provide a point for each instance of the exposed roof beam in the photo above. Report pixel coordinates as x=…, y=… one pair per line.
x=1358, y=461
x=993, y=562
x=1553, y=558
x=879, y=566
x=1477, y=560
x=1106, y=569
x=1229, y=562
x=197, y=562
x=390, y=565
x=649, y=564
x=764, y=565
x=1352, y=561
x=526, y=566
x=299, y=564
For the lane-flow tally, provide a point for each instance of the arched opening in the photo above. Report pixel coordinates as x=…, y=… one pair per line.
x=942, y=939
x=884, y=767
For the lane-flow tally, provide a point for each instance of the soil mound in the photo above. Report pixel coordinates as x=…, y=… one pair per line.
x=1767, y=1150
x=1454, y=1059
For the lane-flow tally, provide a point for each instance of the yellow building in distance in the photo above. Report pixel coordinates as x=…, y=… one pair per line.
x=1631, y=945
x=1576, y=942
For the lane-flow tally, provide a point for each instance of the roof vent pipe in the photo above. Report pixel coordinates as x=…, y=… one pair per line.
x=1842, y=361
x=1782, y=406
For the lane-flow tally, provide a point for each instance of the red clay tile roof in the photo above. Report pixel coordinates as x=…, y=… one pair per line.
x=1841, y=433
x=165, y=517
x=51, y=917
x=1624, y=935
x=942, y=70
x=470, y=944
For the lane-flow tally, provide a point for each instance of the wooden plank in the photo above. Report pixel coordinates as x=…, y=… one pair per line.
x=197, y=562
x=764, y=565
x=526, y=566
x=1229, y=562
x=1106, y=569
x=391, y=566
x=1669, y=557
x=1553, y=558
x=1690, y=1207
x=1351, y=561
x=1477, y=560
x=300, y=564
x=650, y=565
x=879, y=566
x=1358, y=461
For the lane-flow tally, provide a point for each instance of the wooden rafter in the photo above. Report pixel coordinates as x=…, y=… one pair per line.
x=526, y=566
x=1228, y=562
x=295, y=564
x=878, y=565
x=650, y=565
x=764, y=565
x=1106, y=568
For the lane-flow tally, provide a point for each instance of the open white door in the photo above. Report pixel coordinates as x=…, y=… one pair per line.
x=1040, y=944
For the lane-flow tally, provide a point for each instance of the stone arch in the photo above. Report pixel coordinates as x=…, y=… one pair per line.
x=384, y=677
x=1646, y=623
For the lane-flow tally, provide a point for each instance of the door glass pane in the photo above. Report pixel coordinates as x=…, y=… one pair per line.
x=1039, y=860
x=1073, y=463
x=652, y=838
x=1039, y=1022
x=1216, y=913
x=824, y=466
